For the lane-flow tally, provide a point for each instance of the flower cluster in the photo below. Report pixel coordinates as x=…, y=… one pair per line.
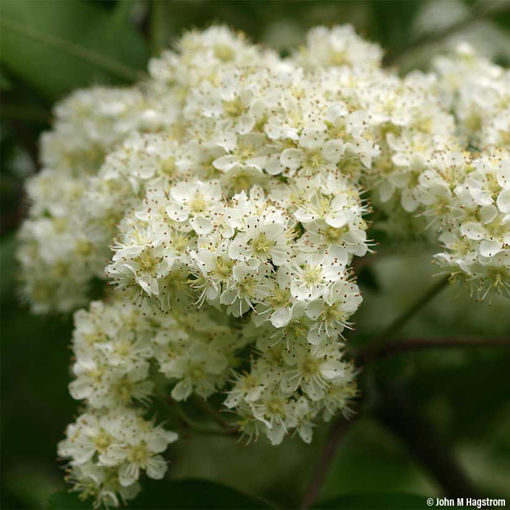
x=109, y=449
x=116, y=345
x=458, y=179
x=242, y=255
x=468, y=199
x=478, y=92
x=223, y=199
x=59, y=252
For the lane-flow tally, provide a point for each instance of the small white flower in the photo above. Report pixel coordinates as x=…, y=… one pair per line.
x=314, y=275
x=262, y=239
x=196, y=201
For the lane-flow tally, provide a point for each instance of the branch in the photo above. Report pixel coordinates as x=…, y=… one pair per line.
x=398, y=415
x=479, y=11
x=336, y=433
x=418, y=344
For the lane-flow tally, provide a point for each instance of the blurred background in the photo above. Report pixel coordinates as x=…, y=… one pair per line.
x=49, y=48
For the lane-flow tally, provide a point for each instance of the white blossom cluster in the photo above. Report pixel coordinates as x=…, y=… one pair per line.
x=461, y=184
x=108, y=451
x=60, y=252
x=116, y=345
x=478, y=93
x=223, y=198
x=476, y=229
x=468, y=198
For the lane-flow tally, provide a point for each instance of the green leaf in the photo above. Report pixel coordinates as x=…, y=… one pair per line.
x=185, y=494
x=7, y=282
x=393, y=501
x=57, y=46
x=174, y=494
x=5, y=83
x=453, y=392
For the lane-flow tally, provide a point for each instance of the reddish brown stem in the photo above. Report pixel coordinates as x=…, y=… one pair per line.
x=336, y=434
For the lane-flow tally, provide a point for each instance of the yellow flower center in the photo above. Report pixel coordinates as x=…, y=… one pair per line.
x=262, y=245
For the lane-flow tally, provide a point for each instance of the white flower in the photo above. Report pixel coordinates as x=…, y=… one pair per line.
x=139, y=449
x=311, y=369
x=338, y=46
x=123, y=444
x=314, y=275
x=314, y=153
x=331, y=311
x=278, y=306
x=247, y=285
x=262, y=239
x=196, y=201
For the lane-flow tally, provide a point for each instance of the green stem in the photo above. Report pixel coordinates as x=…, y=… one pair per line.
x=392, y=329
x=192, y=424
x=157, y=26
x=213, y=413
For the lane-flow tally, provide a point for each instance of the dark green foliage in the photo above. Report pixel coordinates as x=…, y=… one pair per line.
x=390, y=501
x=175, y=494
x=65, y=500
x=57, y=46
